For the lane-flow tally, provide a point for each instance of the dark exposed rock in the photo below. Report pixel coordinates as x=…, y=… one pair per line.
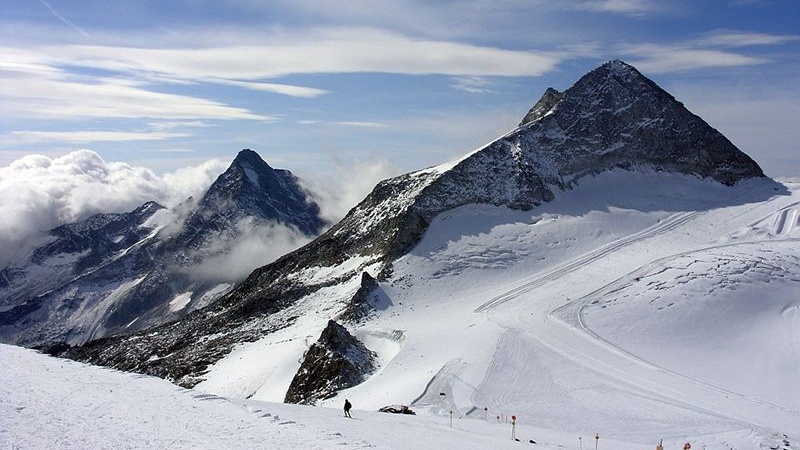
x=336, y=361
x=101, y=235
x=368, y=298
x=549, y=100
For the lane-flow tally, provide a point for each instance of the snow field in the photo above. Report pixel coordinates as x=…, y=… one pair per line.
x=477, y=295
x=639, y=306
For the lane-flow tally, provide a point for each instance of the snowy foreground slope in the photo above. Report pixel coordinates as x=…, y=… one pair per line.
x=640, y=306
x=49, y=403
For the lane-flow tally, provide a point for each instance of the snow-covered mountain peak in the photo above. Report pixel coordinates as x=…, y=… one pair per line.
x=613, y=117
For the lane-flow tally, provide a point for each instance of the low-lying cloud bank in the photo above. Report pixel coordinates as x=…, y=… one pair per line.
x=39, y=193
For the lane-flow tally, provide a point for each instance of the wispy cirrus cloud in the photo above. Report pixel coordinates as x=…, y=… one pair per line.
x=284, y=89
x=47, y=91
x=84, y=137
x=657, y=58
x=718, y=48
x=734, y=39
x=361, y=124
x=308, y=51
x=107, y=81
x=627, y=7
x=473, y=85
x=63, y=19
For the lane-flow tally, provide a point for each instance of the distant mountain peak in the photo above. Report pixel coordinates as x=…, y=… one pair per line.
x=250, y=187
x=123, y=271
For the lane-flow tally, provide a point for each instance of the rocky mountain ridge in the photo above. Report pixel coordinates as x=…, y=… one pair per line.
x=612, y=118
x=118, y=273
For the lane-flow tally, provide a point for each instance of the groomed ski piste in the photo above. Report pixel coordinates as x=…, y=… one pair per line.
x=638, y=306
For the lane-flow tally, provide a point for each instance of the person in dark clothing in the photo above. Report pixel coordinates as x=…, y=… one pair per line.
x=347, y=407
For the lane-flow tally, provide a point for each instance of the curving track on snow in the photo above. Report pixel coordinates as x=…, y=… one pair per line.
x=561, y=328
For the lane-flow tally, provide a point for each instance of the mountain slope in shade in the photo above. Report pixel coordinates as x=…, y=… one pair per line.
x=122, y=272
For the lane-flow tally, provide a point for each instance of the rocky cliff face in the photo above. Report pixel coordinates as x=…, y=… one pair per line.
x=612, y=118
x=249, y=188
x=336, y=361
x=118, y=273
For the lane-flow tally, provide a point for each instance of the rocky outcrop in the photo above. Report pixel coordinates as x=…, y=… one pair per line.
x=368, y=298
x=336, y=361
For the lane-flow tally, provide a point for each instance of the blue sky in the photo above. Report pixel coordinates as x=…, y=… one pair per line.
x=405, y=84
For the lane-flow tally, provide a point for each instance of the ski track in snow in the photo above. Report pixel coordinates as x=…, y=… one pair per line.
x=664, y=226
x=565, y=332
x=571, y=315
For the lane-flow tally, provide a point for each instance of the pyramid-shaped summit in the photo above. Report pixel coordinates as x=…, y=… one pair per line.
x=613, y=117
x=616, y=117
x=251, y=188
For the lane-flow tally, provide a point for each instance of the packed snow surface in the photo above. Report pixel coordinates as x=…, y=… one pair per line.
x=637, y=306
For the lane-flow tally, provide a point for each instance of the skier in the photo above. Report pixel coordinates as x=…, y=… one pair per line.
x=347, y=407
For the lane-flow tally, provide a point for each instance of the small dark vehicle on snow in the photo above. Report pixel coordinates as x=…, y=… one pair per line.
x=397, y=409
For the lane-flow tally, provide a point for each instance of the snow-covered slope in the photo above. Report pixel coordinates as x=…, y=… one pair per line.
x=635, y=321
x=51, y=403
x=586, y=312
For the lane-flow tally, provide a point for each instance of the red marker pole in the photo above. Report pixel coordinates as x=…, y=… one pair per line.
x=451, y=418
x=513, y=428
x=596, y=440
x=485, y=413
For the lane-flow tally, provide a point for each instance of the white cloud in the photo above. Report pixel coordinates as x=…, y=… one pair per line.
x=629, y=7
x=253, y=246
x=727, y=38
x=308, y=51
x=190, y=181
x=338, y=191
x=83, y=137
x=284, y=89
x=64, y=82
x=36, y=90
x=473, y=85
x=656, y=58
x=710, y=50
x=361, y=124
x=159, y=126
x=38, y=193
